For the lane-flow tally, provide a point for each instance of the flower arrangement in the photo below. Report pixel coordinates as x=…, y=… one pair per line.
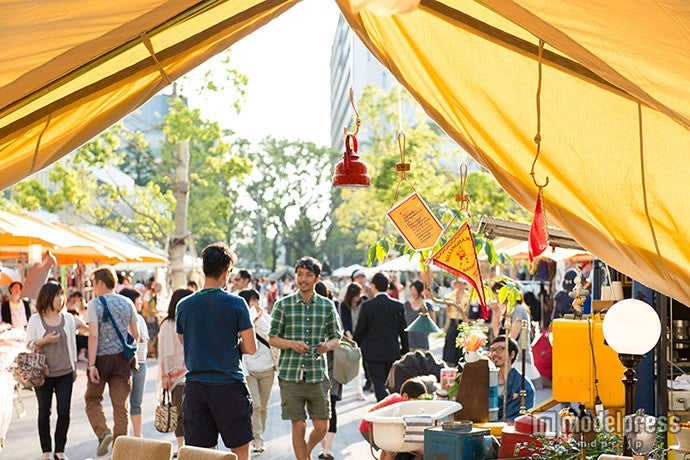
x=471, y=335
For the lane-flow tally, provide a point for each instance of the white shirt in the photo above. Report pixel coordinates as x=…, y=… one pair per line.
x=18, y=312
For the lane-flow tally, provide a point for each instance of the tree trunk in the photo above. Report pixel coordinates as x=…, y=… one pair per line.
x=178, y=241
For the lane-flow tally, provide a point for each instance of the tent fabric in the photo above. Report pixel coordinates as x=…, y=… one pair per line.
x=71, y=72
x=614, y=97
x=614, y=113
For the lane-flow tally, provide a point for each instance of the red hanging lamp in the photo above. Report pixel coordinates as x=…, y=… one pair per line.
x=351, y=171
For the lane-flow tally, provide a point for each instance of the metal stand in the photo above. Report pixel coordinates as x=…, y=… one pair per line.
x=630, y=362
x=17, y=401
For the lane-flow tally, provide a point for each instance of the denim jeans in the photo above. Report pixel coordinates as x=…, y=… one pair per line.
x=62, y=387
x=137, y=394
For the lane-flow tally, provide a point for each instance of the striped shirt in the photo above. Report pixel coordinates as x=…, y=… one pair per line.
x=312, y=323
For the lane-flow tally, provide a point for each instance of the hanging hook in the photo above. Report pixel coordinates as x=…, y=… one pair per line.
x=402, y=167
x=358, y=121
x=537, y=138
x=463, y=197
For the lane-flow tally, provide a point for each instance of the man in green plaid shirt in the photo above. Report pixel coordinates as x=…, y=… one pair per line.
x=305, y=327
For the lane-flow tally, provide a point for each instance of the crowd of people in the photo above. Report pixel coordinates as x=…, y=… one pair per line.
x=220, y=348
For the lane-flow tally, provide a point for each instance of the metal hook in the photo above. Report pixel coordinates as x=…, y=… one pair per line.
x=463, y=197
x=402, y=167
x=358, y=121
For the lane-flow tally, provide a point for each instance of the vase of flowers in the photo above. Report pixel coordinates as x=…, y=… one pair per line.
x=471, y=338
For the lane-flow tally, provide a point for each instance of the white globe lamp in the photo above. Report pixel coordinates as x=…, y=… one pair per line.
x=631, y=328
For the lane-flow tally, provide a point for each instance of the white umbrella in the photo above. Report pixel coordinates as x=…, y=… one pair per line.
x=9, y=275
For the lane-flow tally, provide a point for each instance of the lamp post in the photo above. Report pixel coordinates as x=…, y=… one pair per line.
x=631, y=328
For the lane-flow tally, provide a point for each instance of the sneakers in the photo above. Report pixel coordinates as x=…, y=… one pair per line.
x=104, y=444
x=258, y=449
x=326, y=456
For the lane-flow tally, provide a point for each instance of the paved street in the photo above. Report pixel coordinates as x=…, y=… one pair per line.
x=22, y=438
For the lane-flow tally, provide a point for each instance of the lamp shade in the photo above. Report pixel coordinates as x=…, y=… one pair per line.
x=631, y=327
x=422, y=324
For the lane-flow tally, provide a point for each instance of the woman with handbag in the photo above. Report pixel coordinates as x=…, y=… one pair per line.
x=52, y=329
x=349, y=314
x=171, y=368
x=261, y=368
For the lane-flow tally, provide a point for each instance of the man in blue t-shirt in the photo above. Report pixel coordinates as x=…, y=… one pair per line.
x=216, y=398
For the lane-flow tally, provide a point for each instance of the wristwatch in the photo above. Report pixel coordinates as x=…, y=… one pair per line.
x=89, y=366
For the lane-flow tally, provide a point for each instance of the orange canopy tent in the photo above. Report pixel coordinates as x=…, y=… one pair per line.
x=615, y=112
x=66, y=246
x=69, y=245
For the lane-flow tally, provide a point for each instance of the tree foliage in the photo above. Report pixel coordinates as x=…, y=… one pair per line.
x=216, y=166
x=286, y=199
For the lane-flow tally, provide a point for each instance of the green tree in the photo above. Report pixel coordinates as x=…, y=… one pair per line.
x=141, y=211
x=216, y=168
x=434, y=160
x=289, y=195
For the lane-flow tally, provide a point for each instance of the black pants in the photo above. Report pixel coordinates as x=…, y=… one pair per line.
x=333, y=421
x=378, y=373
x=451, y=353
x=62, y=387
x=82, y=343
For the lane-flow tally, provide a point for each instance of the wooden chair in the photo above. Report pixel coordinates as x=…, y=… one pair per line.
x=132, y=448
x=200, y=453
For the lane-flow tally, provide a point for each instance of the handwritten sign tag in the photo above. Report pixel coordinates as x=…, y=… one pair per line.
x=415, y=222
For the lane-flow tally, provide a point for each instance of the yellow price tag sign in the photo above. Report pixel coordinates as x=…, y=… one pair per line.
x=415, y=222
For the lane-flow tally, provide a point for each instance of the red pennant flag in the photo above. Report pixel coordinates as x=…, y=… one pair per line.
x=459, y=257
x=538, y=233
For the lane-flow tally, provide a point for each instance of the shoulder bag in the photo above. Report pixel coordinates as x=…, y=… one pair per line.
x=346, y=359
x=166, y=414
x=30, y=368
x=129, y=345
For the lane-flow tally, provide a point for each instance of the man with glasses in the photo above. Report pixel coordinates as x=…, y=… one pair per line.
x=305, y=327
x=241, y=280
x=504, y=358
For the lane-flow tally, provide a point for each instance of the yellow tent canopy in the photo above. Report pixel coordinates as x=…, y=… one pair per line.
x=615, y=97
